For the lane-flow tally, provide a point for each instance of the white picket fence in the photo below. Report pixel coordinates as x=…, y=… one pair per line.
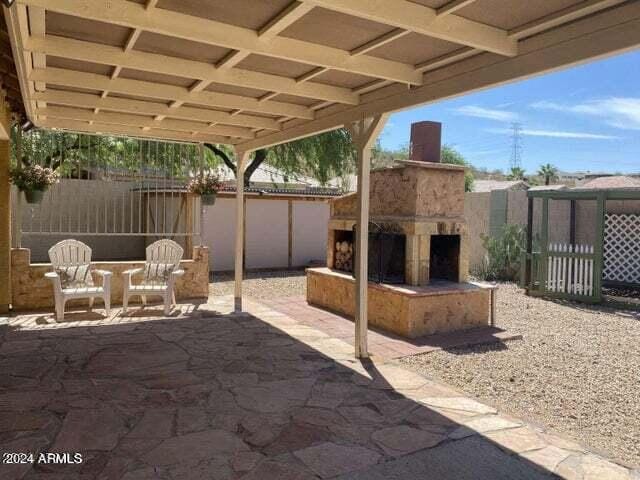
x=570, y=269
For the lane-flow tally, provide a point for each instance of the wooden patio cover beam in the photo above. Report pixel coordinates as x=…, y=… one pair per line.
x=141, y=107
x=111, y=129
x=174, y=24
x=142, y=121
x=140, y=88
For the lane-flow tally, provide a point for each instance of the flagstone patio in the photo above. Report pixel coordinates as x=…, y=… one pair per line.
x=207, y=393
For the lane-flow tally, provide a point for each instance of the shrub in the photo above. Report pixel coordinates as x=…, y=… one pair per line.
x=206, y=184
x=504, y=254
x=33, y=177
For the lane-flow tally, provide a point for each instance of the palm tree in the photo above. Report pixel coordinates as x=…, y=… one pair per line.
x=548, y=172
x=516, y=173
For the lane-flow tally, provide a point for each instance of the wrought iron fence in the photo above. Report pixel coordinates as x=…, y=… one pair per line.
x=110, y=186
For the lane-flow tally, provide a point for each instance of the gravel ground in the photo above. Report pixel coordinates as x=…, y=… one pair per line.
x=576, y=372
x=268, y=284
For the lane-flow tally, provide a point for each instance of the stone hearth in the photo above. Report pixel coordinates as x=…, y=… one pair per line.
x=423, y=202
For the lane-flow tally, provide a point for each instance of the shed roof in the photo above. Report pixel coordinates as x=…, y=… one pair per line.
x=538, y=188
x=491, y=185
x=257, y=73
x=611, y=182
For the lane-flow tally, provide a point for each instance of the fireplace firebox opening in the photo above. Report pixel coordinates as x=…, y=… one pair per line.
x=444, y=257
x=387, y=257
x=343, y=251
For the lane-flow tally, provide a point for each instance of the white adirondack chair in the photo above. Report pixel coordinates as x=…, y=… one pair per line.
x=160, y=272
x=72, y=276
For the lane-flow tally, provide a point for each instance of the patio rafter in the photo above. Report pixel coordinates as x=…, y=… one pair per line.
x=160, y=91
x=109, y=128
x=134, y=120
x=206, y=73
x=131, y=41
x=127, y=105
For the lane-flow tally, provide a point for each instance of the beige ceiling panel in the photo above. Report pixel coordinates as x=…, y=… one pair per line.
x=334, y=29
x=342, y=79
x=274, y=66
x=414, y=48
x=155, y=77
x=245, y=92
x=432, y=3
x=177, y=47
x=69, y=64
x=90, y=30
x=494, y=13
x=204, y=108
x=294, y=99
x=53, y=86
x=244, y=13
x=134, y=97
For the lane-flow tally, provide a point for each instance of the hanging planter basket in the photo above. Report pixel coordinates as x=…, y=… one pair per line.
x=34, y=196
x=208, y=199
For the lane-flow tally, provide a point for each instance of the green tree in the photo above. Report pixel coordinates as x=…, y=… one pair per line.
x=383, y=157
x=77, y=155
x=548, y=172
x=516, y=173
x=323, y=157
x=450, y=155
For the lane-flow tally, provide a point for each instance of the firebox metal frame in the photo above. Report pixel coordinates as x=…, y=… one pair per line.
x=382, y=233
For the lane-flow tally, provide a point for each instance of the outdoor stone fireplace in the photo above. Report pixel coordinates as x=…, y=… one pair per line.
x=418, y=257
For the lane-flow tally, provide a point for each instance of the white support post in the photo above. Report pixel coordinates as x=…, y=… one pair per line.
x=363, y=134
x=241, y=163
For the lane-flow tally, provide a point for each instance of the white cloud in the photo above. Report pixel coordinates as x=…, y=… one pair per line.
x=556, y=134
x=619, y=112
x=488, y=113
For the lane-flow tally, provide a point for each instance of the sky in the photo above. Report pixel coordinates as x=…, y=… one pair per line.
x=586, y=118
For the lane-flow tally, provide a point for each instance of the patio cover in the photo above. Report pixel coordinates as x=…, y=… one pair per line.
x=257, y=73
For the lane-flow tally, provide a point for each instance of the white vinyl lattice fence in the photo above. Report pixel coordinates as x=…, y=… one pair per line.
x=570, y=269
x=622, y=248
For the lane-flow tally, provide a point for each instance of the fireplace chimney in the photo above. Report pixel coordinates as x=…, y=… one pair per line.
x=425, y=142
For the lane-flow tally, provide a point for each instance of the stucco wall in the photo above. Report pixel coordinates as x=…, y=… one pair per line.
x=267, y=233
x=476, y=213
x=30, y=290
x=309, y=232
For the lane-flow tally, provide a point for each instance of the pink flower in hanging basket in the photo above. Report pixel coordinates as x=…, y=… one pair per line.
x=205, y=184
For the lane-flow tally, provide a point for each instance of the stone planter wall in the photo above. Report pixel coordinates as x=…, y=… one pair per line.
x=30, y=290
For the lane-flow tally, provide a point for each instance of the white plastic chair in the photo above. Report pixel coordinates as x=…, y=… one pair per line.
x=160, y=272
x=72, y=276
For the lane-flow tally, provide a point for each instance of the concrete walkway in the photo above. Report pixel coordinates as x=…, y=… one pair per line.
x=208, y=394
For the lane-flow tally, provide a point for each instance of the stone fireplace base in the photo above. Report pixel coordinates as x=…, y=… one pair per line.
x=410, y=311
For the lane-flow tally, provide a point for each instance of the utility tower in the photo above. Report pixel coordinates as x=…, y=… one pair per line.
x=516, y=145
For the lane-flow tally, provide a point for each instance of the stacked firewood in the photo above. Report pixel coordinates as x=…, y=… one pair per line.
x=343, y=259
